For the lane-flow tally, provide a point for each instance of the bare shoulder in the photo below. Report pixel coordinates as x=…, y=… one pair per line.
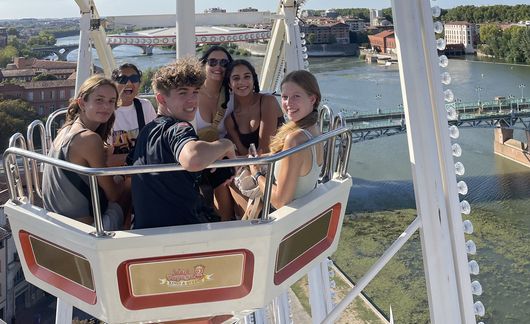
x=269, y=101
x=87, y=141
x=295, y=138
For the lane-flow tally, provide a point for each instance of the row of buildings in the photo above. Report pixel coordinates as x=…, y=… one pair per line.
x=461, y=38
x=17, y=81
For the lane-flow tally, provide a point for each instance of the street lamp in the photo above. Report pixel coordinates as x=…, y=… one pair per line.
x=378, y=98
x=522, y=86
x=479, y=90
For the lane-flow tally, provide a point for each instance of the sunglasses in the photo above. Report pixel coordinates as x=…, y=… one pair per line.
x=123, y=79
x=213, y=62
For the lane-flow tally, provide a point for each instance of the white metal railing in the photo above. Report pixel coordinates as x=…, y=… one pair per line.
x=18, y=148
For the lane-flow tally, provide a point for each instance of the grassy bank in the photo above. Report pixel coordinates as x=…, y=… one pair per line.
x=502, y=253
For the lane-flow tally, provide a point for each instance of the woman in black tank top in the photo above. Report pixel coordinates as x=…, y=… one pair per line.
x=256, y=116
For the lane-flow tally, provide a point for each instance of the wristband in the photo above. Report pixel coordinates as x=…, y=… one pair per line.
x=257, y=175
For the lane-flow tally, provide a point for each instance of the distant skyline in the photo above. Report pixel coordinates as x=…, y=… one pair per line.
x=10, y=9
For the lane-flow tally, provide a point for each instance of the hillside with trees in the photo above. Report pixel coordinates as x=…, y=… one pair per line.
x=18, y=47
x=487, y=14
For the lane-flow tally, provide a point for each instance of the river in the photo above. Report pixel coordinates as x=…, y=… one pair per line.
x=499, y=190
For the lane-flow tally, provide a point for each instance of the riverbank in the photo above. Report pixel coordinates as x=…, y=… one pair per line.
x=401, y=283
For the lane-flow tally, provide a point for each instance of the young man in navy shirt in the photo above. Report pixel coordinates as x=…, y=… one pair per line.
x=173, y=198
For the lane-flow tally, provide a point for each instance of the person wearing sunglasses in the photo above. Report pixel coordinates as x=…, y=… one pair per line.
x=215, y=61
x=210, y=126
x=132, y=113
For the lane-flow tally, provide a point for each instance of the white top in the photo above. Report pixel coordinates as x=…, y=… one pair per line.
x=304, y=184
x=199, y=123
x=127, y=123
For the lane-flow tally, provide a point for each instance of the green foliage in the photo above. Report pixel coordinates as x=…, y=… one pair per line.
x=387, y=13
x=15, y=115
x=43, y=39
x=512, y=44
x=145, y=82
x=474, y=14
x=7, y=54
x=362, y=13
x=485, y=14
x=311, y=38
x=401, y=282
x=12, y=31
x=45, y=77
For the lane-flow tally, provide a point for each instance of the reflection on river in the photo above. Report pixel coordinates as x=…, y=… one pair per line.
x=499, y=190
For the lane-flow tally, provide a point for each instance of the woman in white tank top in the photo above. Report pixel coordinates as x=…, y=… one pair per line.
x=211, y=95
x=297, y=174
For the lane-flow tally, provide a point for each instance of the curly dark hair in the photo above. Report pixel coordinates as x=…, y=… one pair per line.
x=185, y=72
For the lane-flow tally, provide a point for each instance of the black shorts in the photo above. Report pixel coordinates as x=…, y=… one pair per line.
x=218, y=177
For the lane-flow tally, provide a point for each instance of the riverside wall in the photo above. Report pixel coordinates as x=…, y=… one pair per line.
x=507, y=147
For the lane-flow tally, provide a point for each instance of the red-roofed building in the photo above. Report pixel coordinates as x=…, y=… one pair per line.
x=16, y=82
x=383, y=42
x=25, y=69
x=44, y=96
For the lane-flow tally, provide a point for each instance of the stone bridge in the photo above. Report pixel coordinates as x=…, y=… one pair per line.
x=148, y=39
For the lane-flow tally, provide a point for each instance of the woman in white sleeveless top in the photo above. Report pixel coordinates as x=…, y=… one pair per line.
x=209, y=125
x=297, y=174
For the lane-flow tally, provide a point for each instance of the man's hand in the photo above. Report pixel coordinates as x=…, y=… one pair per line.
x=231, y=149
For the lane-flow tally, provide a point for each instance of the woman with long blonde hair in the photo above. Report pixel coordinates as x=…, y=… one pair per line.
x=297, y=174
x=82, y=140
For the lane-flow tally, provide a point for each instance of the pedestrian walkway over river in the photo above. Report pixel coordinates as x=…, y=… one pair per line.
x=502, y=113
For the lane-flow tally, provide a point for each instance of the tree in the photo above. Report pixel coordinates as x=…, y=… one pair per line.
x=7, y=54
x=311, y=38
x=45, y=77
x=15, y=115
x=12, y=31
x=145, y=82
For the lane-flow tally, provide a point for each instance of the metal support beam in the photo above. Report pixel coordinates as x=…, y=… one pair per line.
x=84, y=57
x=293, y=42
x=273, y=63
x=99, y=40
x=201, y=19
x=442, y=238
x=319, y=291
x=185, y=24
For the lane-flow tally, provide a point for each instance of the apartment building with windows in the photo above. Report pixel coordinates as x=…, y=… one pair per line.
x=461, y=32
x=325, y=34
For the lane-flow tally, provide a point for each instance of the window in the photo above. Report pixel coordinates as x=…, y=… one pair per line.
x=42, y=95
x=30, y=96
x=62, y=94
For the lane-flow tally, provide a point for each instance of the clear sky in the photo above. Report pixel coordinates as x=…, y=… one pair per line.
x=11, y=9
